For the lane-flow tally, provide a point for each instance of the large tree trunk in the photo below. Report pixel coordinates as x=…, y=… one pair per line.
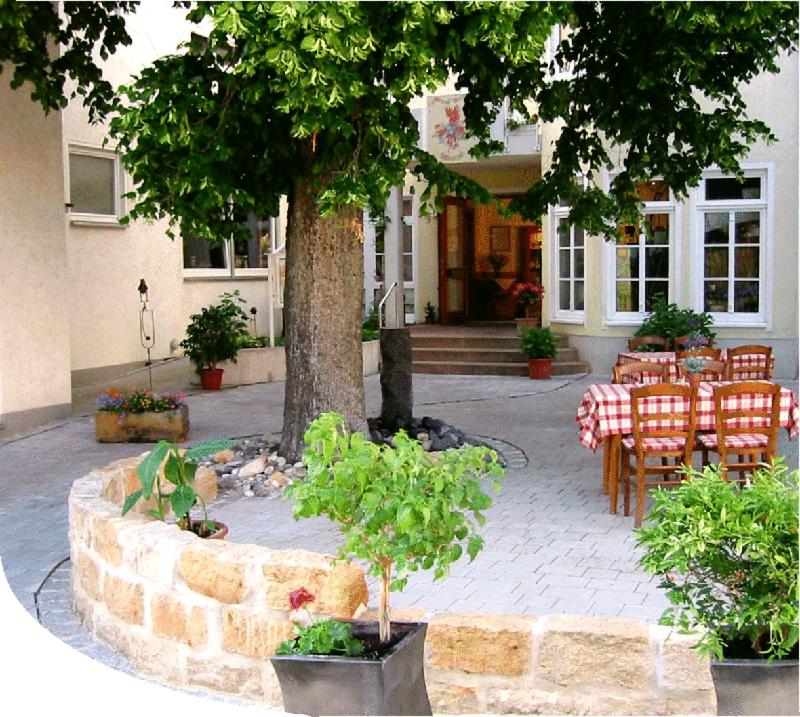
x=323, y=314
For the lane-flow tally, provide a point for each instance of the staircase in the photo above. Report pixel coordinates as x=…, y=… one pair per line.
x=482, y=349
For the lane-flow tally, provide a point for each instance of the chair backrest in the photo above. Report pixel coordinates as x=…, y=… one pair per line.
x=747, y=407
x=751, y=362
x=664, y=410
x=681, y=340
x=636, y=342
x=711, y=371
x=703, y=352
x=645, y=372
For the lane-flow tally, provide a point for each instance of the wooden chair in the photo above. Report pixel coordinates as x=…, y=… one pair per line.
x=747, y=418
x=663, y=428
x=681, y=340
x=644, y=372
x=712, y=371
x=636, y=341
x=706, y=352
x=751, y=362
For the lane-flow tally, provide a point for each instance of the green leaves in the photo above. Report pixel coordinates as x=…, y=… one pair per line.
x=728, y=558
x=323, y=637
x=147, y=470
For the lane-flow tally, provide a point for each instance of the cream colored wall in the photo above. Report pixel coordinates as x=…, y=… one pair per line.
x=34, y=315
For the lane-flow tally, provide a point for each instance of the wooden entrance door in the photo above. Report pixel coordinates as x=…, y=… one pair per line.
x=455, y=259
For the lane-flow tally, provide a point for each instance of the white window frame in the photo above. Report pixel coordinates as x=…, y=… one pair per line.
x=88, y=218
x=557, y=314
x=765, y=206
x=230, y=271
x=673, y=209
x=413, y=221
x=557, y=33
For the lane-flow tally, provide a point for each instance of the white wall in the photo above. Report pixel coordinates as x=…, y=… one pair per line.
x=34, y=310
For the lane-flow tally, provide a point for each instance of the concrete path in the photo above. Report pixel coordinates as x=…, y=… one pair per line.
x=551, y=544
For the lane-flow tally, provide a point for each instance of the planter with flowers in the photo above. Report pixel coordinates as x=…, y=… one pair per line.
x=529, y=303
x=727, y=557
x=539, y=347
x=400, y=510
x=140, y=416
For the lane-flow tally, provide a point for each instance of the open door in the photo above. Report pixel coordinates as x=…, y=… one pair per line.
x=455, y=234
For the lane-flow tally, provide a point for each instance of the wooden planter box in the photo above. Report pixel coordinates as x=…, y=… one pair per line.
x=148, y=427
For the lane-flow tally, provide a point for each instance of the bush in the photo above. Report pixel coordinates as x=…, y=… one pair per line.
x=538, y=343
x=728, y=559
x=248, y=341
x=670, y=322
x=214, y=334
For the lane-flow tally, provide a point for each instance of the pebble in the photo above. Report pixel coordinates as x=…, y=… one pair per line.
x=249, y=494
x=253, y=468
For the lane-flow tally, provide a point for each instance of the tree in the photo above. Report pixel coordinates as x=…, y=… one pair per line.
x=310, y=100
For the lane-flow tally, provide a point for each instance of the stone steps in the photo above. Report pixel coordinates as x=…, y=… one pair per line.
x=483, y=355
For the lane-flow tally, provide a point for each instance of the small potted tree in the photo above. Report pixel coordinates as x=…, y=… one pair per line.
x=214, y=335
x=728, y=559
x=400, y=510
x=539, y=347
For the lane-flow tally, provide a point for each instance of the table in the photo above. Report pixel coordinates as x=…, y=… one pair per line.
x=670, y=358
x=604, y=416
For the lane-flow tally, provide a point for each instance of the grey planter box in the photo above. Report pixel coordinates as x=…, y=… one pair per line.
x=756, y=687
x=336, y=685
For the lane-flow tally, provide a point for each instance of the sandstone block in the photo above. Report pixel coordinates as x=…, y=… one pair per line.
x=497, y=644
x=80, y=519
x=582, y=650
x=104, y=538
x=270, y=688
x=211, y=568
x=112, y=632
x=124, y=599
x=701, y=702
x=88, y=487
x=252, y=634
x=242, y=678
x=176, y=621
x=339, y=588
x=86, y=573
x=153, y=548
x=396, y=614
x=453, y=699
x=682, y=667
x=157, y=658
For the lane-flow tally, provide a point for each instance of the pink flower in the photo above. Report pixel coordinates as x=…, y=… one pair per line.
x=299, y=597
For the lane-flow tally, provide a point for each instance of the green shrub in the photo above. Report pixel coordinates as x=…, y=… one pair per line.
x=248, y=341
x=214, y=334
x=538, y=343
x=670, y=322
x=728, y=559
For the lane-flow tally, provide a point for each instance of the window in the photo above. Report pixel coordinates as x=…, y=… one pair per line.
x=569, y=265
x=95, y=186
x=731, y=241
x=644, y=256
x=235, y=257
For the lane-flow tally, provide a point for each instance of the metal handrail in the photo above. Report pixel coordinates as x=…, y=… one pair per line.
x=382, y=302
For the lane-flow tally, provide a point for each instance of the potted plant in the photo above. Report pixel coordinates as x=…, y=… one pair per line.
x=400, y=510
x=728, y=559
x=430, y=313
x=180, y=497
x=670, y=322
x=539, y=347
x=529, y=298
x=214, y=335
x=140, y=416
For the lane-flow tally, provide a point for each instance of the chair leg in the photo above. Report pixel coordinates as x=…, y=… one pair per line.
x=606, y=461
x=627, y=478
x=614, y=450
x=640, y=494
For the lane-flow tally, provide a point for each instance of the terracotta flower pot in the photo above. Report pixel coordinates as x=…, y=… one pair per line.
x=219, y=532
x=211, y=378
x=540, y=368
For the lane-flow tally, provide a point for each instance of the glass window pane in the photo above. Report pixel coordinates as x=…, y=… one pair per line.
x=657, y=262
x=198, y=254
x=563, y=232
x=731, y=188
x=745, y=262
x=578, y=264
x=379, y=267
x=408, y=267
x=652, y=289
x=627, y=296
x=564, y=268
x=408, y=206
x=716, y=227
x=659, y=229
x=715, y=296
x=747, y=227
x=579, y=236
x=745, y=296
x=716, y=263
x=379, y=241
x=563, y=295
x=408, y=235
x=628, y=235
x=408, y=301
x=628, y=262
x=578, y=295
x=654, y=191
x=91, y=184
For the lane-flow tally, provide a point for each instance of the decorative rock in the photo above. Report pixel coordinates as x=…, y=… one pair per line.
x=299, y=464
x=280, y=463
x=223, y=456
x=253, y=468
x=227, y=482
x=269, y=470
x=261, y=491
x=427, y=445
x=278, y=479
x=249, y=493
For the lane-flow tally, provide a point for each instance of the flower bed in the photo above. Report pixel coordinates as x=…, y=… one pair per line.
x=140, y=416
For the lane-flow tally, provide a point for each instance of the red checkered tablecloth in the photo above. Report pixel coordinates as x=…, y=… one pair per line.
x=605, y=410
x=664, y=358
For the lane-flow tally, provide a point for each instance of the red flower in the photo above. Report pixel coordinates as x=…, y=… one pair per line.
x=299, y=597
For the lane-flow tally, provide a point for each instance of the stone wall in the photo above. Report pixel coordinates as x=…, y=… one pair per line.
x=209, y=614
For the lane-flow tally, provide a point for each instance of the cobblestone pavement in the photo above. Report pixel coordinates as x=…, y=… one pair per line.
x=551, y=544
